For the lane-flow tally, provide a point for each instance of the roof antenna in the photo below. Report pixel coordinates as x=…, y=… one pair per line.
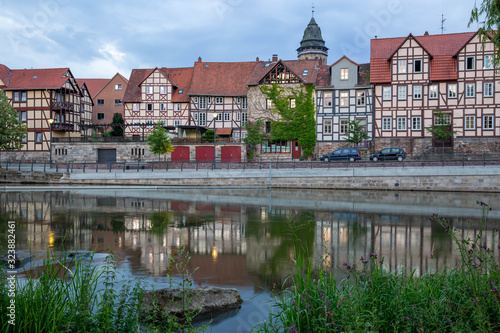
x=313, y=10
x=442, y=18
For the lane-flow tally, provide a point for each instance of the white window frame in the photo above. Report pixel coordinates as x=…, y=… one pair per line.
x=488, y=61
x=360, y=98
x=386, y=93
x=202, y=103
x=244, y=103
x=467, y=124
x=402, y=93
x=38, y=137
x=328, y=99
x=150, y=107
x=401, y=124
x=202, y=119
x=118, y=102
x=149, y=90
x=416, y=123
x=344, y=74
x=238, y=100
x=467, y=68
x=163, y=107
x=177, y=106
x=417, y=92
x=327, y=126
x=269, y=104
x=343, y=126
x=452, y=90
x=446, y=119
x=489, y=89
x=195, y=116
x=118, y=86
x=244, y=118
x=488, y=124
x=163, y=90
x=402, y=66
x=209, y=100
x=238, y=116
x=195, y=100
x=344, y=99
x=421, y=65
x=135, y=107
x=386, y=124
x=23, y=116
x=227, y=116
x=292, y=103
x=433, y=91
x=177, y=122
x=219, y=100
x=470, y=90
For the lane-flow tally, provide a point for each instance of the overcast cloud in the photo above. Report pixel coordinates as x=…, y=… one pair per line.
x=97, y=38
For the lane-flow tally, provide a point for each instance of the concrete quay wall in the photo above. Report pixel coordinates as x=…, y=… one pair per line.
x=463, y=179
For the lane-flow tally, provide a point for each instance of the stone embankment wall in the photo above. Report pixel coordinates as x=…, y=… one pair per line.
x=463, y=179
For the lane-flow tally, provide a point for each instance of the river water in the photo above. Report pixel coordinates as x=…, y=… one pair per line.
x=244, y=239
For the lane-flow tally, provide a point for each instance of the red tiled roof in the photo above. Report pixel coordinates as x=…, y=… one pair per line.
x=441, y=48
x=223, y=131
x=182, y=78
x=363, y=74
x=324, y=77
x=4, y=74
x=343, y=57
x=221, y=78
x=133, y=91
x=296, y=66
x=93, y=85
x=33, y=79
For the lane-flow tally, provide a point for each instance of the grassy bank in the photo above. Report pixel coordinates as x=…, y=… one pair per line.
x=373, y=299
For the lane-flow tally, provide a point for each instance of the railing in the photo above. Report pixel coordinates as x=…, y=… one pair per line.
x=62, y=127
x=486, y=159
x=62, y=105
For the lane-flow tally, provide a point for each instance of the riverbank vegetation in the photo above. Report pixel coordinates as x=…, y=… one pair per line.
x=373, y=299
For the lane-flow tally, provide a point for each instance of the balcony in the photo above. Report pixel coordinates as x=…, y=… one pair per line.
x=62, y=127
x=55, y=105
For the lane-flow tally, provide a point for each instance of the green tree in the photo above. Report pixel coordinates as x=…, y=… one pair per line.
x=118, y=122
x=488, y=16
x=441, y=128
x=159, y=141
x=254, y=137
x=12, y=130
x=209, y=135
x=294, y=123
x=356, y=132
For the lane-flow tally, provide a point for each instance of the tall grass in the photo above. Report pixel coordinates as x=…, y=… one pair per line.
x=373, y=299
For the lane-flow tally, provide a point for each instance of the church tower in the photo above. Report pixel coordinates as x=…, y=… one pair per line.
x=312, y=45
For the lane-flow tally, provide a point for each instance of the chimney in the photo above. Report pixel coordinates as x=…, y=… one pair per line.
x=199, y=59
x=275, y=57
x=426, y=33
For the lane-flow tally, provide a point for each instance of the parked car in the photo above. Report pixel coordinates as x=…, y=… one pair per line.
x=387, y=154
x=351, y=154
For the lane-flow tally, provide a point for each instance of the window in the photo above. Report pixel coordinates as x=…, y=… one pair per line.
x=488, y=122
x=219, y=117
x=163, y=90
x=118, y=102
x=100, y=116
x=177, y=106
x=150, y=123
x=238, y=100
x=452, y=90
x=489, y=62
x=38, y=137
x=203, y=119
x=488, y=89
x=386, y=93
x=177, y=122
x=238, y=116
x=292, y=103
x=344, y=126
x=118, y=87
x=149, y=90
x=209, y=99
x=243, y=118
x=100, y=102
x=163, y=106
x=344, y=99
x=445, y=120
x=195, y=116
x=328, y=99
x=24, y=138
x=275, y=146
x=417, y=66
x=470, y=89
x=269, y=104
x=360, y=98
x=244, y=103
x=135, y=107
x=470, y=62
x=22, y=116
x=82, y=107
x=219, y=100
x=402, y=92
x=202, y=104
x=327, y=126
x=470, y=122
x=181, y=91
x=417, y=92
x=195, y=100
x=149, y=107
x=416, y=123
x=305, y=72
x=401, y=66
x=401, y=123
x=268, y=127
x=20, y=96
x=386, y=123
x=344, y=73
x=433, y=91
x=227, y=116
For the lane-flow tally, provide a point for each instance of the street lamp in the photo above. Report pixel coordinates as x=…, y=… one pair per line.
x=215, y=114
x=50, y=143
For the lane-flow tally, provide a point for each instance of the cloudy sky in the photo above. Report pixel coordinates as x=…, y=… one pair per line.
x=97, y=38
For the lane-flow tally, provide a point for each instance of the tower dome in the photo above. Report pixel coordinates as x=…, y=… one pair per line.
x=312, y=45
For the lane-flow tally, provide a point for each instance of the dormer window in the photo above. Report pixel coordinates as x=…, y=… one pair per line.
x=305, y=72
x=181, y=91
x=344, y=73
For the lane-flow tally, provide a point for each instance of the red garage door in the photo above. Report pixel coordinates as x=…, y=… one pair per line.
x=180, y=154
x=231, y=154
x=204, y=154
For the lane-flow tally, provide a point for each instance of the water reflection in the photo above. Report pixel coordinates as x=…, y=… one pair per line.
x=245, y=238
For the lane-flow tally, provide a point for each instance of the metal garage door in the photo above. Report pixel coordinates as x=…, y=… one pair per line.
x=106, y=155
x=204, y=154
x=231, y=154
x=180, y=154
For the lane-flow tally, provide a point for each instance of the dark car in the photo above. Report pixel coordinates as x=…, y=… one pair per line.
x=351, y=154
x=387, y=154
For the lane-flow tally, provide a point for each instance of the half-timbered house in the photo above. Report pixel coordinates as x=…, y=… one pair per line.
x=415, y=75
x=49, y=101
x=343, y=94
x=218, y=97
x=289, y=74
